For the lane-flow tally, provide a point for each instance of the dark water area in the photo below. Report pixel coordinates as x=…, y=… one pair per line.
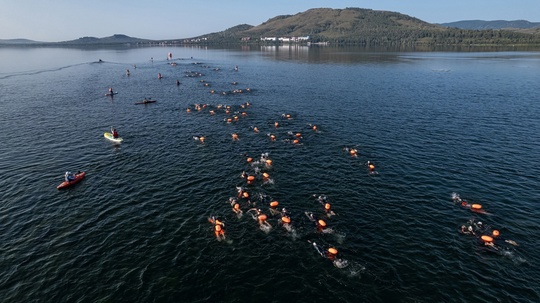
x=136, y=229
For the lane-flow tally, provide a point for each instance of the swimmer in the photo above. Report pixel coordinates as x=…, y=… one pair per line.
x=370, y=166
x=261, y=218
x=199, y=138
x=234, y=136
x=237, y=210
x=127, y=72
x=219, y=228
x=351, y=151
x=273, y=208
x=328, y=211
x=467, y=230
x=159, y=76
x=286, y=220
x=496, y=238
x=177, y=82
x=330, y=253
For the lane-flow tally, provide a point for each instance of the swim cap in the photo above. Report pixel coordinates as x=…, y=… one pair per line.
x=495, y=233
x=327, y=206
x=332, y=251
x=322, y=223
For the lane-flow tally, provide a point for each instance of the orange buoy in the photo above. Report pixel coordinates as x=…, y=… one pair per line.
x=274, y=203
x=476, y=206
x=251, y=178
x=332, y=251
x=487, y=238
x=286, y=219
x=327, y=206
x=266, y=175
x=249, y=160
x=496, y=233
x=322, y=223
x=262, y=217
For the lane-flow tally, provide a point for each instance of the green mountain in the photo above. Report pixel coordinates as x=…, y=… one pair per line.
x=114, y=39
x=368, y=27
x=497, y=24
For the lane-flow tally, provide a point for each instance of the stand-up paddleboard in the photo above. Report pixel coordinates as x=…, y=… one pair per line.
x=113, y=139
x=78, y=177
x=111, y=94
x=146, y=102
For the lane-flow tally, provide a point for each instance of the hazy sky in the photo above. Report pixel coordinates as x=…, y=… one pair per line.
x=60, y=20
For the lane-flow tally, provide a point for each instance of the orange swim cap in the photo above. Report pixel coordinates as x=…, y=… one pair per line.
x=266, y=175
x=274, y=203
x=269, y=162
x=251, y=178
x=286, y=219
x=245, y=195
x=249, y=160
x=236, y=206
x=476, y=206
x=332, y=251
x=327, y=206
x=322, y=223
x=496, y=233
x=262, y=217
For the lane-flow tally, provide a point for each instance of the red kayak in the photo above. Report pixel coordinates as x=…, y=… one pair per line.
x=78, y=177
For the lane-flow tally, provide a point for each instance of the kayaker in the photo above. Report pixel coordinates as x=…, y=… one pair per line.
x=69, y=176
x=114, y=133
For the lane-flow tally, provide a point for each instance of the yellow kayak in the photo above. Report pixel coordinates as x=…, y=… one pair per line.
x=110, y=137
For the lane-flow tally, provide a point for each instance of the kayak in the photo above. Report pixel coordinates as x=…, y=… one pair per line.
x=110, y=137
x=78, y=177
x=111, y=94
x=146, y=102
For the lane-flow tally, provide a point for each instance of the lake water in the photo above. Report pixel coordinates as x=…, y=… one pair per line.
x=136, y=228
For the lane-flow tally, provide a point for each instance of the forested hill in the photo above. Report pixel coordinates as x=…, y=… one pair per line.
x=497, y=24
x=368, y=27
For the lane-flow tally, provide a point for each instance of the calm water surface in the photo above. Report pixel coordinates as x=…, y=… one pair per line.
x=136, y=229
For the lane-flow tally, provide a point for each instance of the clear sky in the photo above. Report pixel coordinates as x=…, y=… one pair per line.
x=60, y=20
